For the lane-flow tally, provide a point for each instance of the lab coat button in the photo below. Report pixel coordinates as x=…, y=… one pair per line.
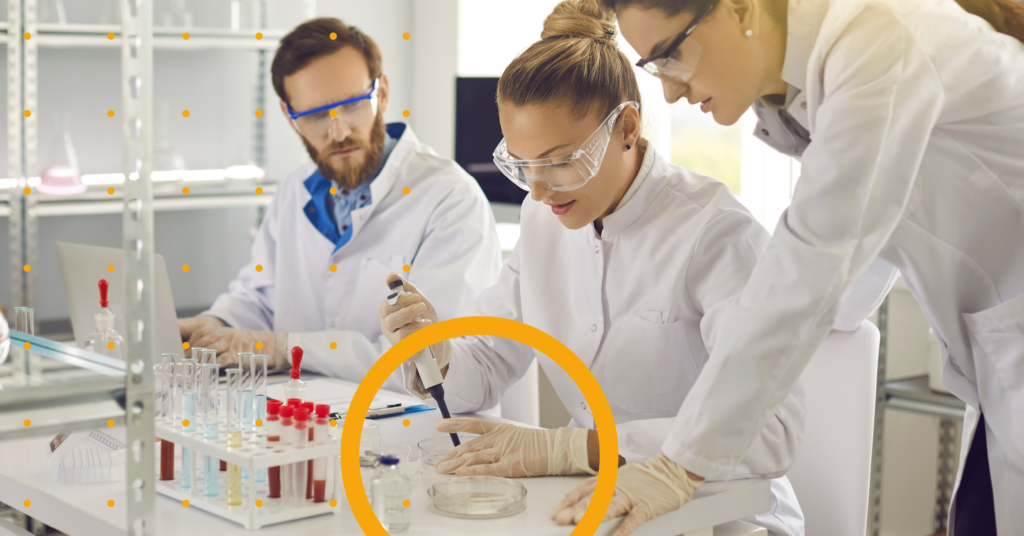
x=803, y=105
x=583, y=405
x=764, y=131
x=593, y=327
x=597, y=249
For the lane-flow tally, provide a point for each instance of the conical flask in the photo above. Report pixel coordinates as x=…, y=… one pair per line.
x=60, y=173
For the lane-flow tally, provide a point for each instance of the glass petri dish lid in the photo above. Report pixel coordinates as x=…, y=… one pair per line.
x=434, y=447
x=477, y=497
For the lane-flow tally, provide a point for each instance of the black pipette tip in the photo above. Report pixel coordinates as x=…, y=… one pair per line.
x=395, y=284
x=438, y=393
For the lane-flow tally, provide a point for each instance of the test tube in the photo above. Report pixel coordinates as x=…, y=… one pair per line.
x=210, y=357
x=188, y=412
x=166, y=447
x=234, y=436
x=273, y=425
x=320, y=464
x=246, y=415
x=25, y=320
x=259, y=388
x=309, y=463
x=287, y=440
x=210, y=378
x=301, y=439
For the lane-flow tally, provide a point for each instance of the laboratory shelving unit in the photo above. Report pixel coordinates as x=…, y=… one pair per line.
x=913, y=395
x=23, y=211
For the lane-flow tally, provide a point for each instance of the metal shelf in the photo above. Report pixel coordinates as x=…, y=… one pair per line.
x=95, y=35
x=167, y=197
x=913, y=394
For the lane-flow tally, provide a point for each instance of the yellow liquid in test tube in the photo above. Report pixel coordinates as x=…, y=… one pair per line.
x=234, y=472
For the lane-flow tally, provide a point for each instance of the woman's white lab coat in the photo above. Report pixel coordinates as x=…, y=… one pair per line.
x=637, y=305
x=915, y=111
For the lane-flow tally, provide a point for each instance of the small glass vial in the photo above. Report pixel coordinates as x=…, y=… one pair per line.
x=369, y=462
x=390, y=491
x=105, y=341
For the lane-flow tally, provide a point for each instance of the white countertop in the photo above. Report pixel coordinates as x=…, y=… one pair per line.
x=81, y=509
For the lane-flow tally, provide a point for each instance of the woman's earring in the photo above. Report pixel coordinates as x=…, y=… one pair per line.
x=628, y=147
x=749, y=32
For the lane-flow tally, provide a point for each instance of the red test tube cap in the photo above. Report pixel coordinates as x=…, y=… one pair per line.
x=322, y=410
x=302, y=414
x=273, y=407
x=295, y=402
x=287, y=411
x=310, y=406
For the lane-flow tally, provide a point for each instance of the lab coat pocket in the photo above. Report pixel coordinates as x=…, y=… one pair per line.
x=649, y=366
x=997, y=342
x=371, y=289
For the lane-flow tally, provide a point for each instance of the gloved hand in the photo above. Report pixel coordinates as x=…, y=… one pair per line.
x=513, y=451
x=188, y=326
x=642, y=492
x=411, y=313
x=229, y=342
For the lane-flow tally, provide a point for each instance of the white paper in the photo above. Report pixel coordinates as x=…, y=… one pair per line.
x=339, y=393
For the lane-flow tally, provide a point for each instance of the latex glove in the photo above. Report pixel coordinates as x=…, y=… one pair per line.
x=229, y=342
x=188, y=326
x=411, y=313
x=512, y=451
x=642, y=492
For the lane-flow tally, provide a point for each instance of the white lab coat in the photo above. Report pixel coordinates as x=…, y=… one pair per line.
x=638, y=305
x=916, y=116
x=444, y=229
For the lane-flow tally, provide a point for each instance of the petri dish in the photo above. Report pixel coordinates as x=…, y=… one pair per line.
x=434, y=447
x=477, y=497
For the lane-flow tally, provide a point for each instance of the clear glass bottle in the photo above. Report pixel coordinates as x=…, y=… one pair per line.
x=105, y=341
x=390, y=491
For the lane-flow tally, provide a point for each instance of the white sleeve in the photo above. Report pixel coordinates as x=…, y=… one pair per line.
x=483, y=368
x=867, y=295
x=726, y=253
x=882, y=99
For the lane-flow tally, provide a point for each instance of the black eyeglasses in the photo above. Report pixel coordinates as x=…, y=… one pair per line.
x=647, y=65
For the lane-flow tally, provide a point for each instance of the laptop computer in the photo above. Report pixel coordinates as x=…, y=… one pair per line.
x=82, y=267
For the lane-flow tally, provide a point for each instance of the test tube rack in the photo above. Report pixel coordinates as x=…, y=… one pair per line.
x=250, y=456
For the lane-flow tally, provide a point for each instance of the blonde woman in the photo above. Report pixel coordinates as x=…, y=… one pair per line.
x=626, y=259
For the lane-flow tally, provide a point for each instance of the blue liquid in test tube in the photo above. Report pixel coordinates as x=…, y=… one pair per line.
x=211, y=465
x=259, y=390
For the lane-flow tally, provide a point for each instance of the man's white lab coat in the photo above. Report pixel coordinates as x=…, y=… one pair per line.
x=915, y=111
x=443, y=229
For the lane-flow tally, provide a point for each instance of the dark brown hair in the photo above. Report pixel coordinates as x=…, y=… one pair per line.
x=311, y=40
x=1006, y=16
x=577, y=60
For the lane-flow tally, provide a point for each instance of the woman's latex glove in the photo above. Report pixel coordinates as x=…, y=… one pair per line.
x=513, y=451
x=642, y=492
x=229, y=342
x=412, y=312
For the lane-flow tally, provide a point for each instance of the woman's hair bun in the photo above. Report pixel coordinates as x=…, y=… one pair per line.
x=579, y=19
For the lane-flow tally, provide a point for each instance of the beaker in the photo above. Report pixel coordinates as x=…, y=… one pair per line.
x=61, y=174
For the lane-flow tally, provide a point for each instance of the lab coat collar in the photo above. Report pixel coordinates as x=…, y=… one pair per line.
x=638, y=197
x=804, y=21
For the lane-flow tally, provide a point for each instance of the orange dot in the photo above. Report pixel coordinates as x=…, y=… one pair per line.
x=406, y=268
x=334, y=422
x=406, y=190
x=334, y=113
x=334, y=267
x=28, y=35
x=185, y=36
x=27, y=190
x=184, y=345
x=259, y=503
x=28, y=422
x=110, y=36
x=333, y=189
x=110, y=113
x=110, y=346
x=28, y=267
x=406, y=113
x=259, y=113
x=406, y=503
x=334, y=503
x=185, y=268
x=185, y=503
x=110, y=422
x=406, y=423
x=259, y=422
x=406, y=36
x=185, y=190
x=110, y=503
x=28, y=503
x=28, y=113
x=27, y=345
x=110, y=190
x=259, y=190
x=259, y=267
x=333, y=36
x=110, y=267
x=334, y=346
x=259, y=345
x=184, y=113
x=185, y=422
x=259, y=35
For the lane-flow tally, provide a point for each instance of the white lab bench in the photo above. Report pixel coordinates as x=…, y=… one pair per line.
x=81, y=509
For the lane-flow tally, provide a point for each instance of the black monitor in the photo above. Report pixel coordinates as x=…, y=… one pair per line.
x=477, y=133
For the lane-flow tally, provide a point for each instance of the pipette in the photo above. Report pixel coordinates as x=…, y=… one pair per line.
x=295, y=388
x=426, y=364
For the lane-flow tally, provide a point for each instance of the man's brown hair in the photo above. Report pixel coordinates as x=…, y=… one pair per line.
x=311, y=40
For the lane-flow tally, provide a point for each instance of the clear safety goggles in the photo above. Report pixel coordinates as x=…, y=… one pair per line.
x=566, y=172
x=354, y=112
x=679, y=58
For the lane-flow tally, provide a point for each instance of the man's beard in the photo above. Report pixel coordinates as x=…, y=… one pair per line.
x=351, y=174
